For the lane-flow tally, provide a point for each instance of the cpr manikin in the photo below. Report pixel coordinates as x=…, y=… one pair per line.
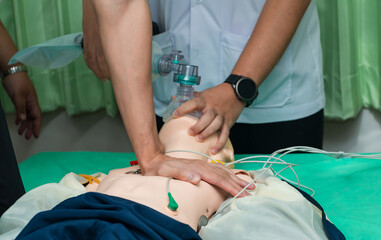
x=194, y=201
x=273, y=204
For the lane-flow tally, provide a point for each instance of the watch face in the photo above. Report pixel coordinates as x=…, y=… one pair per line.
x=246, y=88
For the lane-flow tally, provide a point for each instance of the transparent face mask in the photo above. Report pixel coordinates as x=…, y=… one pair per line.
x=59, y=52
x=51, y=54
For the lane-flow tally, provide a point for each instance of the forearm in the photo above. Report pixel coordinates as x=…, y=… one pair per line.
x=269, y=40
x=7, y=48
x=126, y=35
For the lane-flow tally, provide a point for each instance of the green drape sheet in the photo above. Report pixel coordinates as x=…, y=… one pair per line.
x=350, y=36
x=74, y=87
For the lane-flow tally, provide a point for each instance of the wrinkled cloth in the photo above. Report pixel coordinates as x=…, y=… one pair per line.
x=39, y=199
x=275, y=210
x=100, y=216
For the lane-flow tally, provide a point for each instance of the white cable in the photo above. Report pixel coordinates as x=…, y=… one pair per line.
x=271, y=163
x=282, y=153
x=300, y=186
x=336, y=155
x=189, y=151
x=168, y=184
x=251, y=157
x=231, y=200
x=264, y=161
x=281, y=171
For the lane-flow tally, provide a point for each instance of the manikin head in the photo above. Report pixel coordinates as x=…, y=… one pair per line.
x=174, y=135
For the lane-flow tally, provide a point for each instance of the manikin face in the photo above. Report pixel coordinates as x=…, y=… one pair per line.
x=174, y=135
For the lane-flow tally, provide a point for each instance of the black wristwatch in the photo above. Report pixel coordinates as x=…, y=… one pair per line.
x=244, y=87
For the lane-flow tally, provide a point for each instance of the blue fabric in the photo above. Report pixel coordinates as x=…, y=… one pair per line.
x=333, y=233
x=99, y=216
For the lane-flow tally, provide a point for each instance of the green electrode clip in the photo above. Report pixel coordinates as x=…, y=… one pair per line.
x=172, y=203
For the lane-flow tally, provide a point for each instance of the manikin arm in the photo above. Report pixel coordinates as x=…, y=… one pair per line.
x=269, y=40
x=125, y=33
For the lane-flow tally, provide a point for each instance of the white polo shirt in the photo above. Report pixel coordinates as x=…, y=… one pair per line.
x=212, y=35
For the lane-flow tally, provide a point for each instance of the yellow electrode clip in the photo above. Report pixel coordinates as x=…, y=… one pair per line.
x=218, y=161
x=90, y=178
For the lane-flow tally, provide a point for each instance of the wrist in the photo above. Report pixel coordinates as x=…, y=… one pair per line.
x=13, y=69
x=232, y=95
x=245, y=88
x=147, y=156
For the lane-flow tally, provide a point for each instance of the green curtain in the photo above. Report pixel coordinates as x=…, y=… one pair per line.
x=350, y=35
x=351, y=41
x=73, y=87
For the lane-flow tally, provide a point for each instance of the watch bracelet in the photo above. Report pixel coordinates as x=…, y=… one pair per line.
x=13, y=70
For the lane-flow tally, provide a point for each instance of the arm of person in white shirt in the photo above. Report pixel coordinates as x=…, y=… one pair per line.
x=125, y=33
x=273, y=32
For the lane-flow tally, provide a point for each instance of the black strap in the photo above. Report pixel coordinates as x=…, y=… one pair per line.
x=232, y=78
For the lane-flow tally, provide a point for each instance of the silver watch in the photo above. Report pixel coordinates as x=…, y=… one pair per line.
x=13, y=70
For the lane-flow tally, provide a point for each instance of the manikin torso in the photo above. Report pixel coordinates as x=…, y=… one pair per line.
x=193, y=200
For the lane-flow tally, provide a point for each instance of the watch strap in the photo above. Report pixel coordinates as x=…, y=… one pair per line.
x=233, y=79
x=13, y=70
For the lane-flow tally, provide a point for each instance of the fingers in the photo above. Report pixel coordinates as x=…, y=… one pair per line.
x=32, y=122
x=215, y=174
x=188, y=176
x=20, y=106
x=203, y=123
x=179, y=169
x=207, y=125
x=36, y=127
x=224, y=178
x=193, y=171
x=224, y=135
x=29, y=130
x=188, y=107
x=22, y=127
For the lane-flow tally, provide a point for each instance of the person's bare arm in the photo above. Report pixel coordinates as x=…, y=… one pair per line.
x=20, y=89
x=273, y=32
x=126, y=36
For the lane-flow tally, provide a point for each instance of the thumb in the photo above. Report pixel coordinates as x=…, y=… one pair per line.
x=186, y=175
x=19, y=103
x=187, y=107
x=190, y=177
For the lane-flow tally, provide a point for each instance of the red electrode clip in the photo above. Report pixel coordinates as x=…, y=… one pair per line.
x=133, y=163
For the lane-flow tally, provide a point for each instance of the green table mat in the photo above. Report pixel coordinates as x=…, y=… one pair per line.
x=348, y=189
